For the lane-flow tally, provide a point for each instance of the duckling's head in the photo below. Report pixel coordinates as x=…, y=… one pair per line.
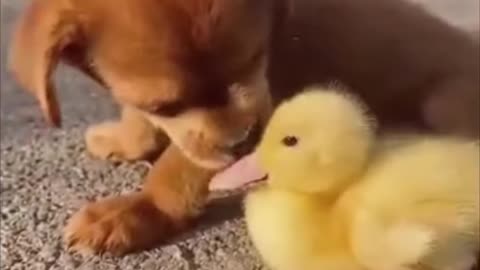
x=316, y=142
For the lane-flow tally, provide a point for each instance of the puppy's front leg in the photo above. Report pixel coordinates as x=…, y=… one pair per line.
x=174, y=193
x=131, y=138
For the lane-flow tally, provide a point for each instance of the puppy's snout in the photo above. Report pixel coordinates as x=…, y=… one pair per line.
x=246, y=142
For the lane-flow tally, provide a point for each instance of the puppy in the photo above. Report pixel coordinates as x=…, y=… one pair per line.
x=205, y=74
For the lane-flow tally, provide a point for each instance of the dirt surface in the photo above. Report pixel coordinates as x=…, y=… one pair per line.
x=46, y=175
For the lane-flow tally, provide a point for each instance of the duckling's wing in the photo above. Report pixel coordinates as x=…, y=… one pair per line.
x=377, y=245
x=426, y=191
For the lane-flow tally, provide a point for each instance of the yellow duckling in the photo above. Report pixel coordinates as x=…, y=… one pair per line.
x=337, y=198
x=314, y=147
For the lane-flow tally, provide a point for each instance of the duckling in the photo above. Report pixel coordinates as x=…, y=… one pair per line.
x=314, y=147
x=338, y=197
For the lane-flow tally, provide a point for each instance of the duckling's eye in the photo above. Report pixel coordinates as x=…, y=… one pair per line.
x=290, y=141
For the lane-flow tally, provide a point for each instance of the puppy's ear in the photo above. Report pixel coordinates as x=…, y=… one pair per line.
x=42, y=32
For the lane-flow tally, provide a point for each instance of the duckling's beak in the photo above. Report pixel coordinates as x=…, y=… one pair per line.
x=242, y=173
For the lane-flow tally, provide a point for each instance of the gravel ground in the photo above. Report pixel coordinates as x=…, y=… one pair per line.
x=46, y=175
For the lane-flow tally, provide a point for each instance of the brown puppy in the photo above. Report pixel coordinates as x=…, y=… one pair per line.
x=204, y=72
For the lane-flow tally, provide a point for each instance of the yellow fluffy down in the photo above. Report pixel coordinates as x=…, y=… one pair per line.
x=340, y=198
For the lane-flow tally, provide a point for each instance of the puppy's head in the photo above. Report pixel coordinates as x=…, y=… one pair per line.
x=195, y=68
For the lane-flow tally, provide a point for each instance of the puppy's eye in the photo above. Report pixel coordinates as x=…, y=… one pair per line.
x=290, y=141
x=246, y=68
x=168, y=109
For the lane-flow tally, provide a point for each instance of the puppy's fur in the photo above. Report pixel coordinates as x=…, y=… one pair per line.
x=207, y=72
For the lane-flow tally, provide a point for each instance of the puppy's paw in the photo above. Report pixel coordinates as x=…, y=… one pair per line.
x=117, y=141
x=117, y=225
x=103, y=142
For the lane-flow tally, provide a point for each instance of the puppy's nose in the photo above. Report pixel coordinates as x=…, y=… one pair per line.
x=245, y=144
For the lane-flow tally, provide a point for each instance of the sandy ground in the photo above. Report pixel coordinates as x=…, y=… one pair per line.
x=46, y=175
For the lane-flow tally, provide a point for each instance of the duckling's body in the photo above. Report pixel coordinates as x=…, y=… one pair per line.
x=419, y=202
x=339, y=198
x=295, y=231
